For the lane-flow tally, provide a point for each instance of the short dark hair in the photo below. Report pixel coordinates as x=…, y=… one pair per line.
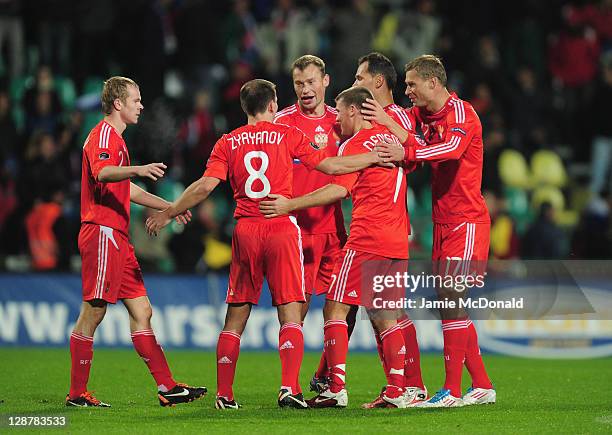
x=428, y=66
x=354, y=96
x=380, y=64
x=255, y=95
x=308, y=59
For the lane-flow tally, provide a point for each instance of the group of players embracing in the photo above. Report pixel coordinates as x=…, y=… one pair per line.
x=289, y=170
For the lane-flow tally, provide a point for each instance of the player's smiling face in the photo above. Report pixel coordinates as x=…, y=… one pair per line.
x=418, y=89
x=363, y=77
x=131, y=108
x=309, y=85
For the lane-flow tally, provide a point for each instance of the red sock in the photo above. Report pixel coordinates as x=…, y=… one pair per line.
x=291, y=351
x=455, y=343
x=473, y=360
x=379, y=348
x=336, y=349
x=228, y=349
x=412, y=368
x=153, y=355
x=394, y=351
x=322, y=370
x=81, y=354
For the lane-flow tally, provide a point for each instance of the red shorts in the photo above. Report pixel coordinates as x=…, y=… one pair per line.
x=109, y=268
x=271, y=248
x=461, y=248
x=320, y=254
x=358, y=278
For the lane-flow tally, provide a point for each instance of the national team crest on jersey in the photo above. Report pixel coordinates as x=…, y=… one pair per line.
x=320, y=137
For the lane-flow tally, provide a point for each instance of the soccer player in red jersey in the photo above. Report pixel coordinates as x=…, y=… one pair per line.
x=450, y=139
x=110, y=270
x=259, y=160
x=377, y=246
x=377, y=73
x=323, y=232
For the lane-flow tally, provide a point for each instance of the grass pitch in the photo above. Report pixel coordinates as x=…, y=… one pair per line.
x=534, y=396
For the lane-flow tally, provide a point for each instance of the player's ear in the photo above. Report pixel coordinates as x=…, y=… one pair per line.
x=117, y=104
x=378, y=81
x=326, y=80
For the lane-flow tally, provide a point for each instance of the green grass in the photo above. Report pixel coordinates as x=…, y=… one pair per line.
x=534, y=396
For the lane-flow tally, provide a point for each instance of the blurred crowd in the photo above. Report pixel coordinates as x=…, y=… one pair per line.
x=539, y=74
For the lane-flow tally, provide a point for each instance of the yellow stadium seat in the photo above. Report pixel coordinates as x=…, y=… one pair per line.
x=554, y=196
x=513, y=169
x=547, y=169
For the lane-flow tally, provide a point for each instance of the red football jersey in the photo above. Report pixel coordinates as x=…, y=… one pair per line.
x=379, y=224
x=453, y=145
x=259, y=159
x=105, y=204
x=321, y=130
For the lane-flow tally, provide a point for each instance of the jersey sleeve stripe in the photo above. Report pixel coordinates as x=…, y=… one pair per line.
x=439, y=149
x=402, y=117
x=459, y=111
x=101, y=135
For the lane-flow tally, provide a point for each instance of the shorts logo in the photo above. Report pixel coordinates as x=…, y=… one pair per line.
x=402, y=351
x=104, y=156
x=353, y=294
x=286, y=345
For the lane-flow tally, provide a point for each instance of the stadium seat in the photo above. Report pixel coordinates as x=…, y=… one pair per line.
x=93, y=85
x=18, y=87
x=548, y=169
x=517, y=204
x=554, y=196
x=66, y=91
x=513, y=169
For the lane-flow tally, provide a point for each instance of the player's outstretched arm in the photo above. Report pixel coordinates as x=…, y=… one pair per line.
x=146, y=199
x=373, y=111
x=197, y=192
x=281, y=205
x=112, y=174
x=345, y=165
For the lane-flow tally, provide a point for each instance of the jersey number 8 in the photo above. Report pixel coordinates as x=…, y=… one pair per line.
x=256, y=174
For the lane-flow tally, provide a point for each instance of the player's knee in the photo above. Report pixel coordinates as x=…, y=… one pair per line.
x=144, y=314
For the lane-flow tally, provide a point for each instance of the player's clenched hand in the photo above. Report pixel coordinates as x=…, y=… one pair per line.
x=184, y=218
x=152, y=171
x=278, y=207
x=373, y=111
x=156, y=222
x=390, y=152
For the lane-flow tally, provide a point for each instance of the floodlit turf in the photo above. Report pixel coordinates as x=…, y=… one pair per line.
x=533, y=396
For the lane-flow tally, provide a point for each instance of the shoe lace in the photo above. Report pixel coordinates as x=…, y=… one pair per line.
x=90, y=397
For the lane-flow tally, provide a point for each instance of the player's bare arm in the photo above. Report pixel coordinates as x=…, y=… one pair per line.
x=140, y=196
x=373, y=111
x=197, y=192
x=112, y=174
x=348, y=164
x=281, y=205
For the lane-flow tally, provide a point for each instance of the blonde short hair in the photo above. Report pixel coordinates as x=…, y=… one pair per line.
x=115, y=87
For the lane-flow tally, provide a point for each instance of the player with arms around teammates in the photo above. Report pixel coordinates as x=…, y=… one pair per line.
x=258, y=159
x=377, y=244
x=110, y=270
x=323, y=232
x=448, y=134
x=377, y=73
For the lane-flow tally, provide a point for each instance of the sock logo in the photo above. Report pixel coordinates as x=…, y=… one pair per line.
x=145, y=359
x=353, y=294
x=286, y=345
x=224, y=360
x=84, y=362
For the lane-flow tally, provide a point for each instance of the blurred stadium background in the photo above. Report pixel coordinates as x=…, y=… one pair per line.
x=539, y=74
